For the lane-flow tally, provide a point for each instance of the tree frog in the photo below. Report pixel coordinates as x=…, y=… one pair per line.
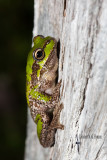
x=42, y=92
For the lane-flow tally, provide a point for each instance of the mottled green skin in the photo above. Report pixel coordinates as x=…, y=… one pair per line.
x=40, y=78
x=38, y=95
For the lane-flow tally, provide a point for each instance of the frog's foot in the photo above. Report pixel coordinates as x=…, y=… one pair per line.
x=55, y=124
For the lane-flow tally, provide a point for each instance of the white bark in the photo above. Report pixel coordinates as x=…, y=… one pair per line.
x=81, y=26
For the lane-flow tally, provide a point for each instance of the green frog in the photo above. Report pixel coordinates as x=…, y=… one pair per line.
x=42, y=91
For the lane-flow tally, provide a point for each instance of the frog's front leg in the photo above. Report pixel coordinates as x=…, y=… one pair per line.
x=57, y=108
x=55, y=97
x=56, y=92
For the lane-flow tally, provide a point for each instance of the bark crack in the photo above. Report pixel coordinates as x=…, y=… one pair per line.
x=85, y=88
x=98, y=152
x=64, y=11
x=89, y=71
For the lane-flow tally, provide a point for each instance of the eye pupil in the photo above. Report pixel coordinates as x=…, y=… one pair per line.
x=39, y=54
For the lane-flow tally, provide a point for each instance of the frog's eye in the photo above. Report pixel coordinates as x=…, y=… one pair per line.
x=38, y=54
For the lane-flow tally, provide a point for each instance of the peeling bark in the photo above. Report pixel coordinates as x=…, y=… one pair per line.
x=81, y=27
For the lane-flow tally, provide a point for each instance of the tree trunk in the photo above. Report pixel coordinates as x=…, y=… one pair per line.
x=81, y=27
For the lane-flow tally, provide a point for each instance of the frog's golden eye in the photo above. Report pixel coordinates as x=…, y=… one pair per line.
x=38, y=54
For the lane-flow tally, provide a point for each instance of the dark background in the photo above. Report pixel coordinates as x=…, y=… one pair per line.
x=16, y=24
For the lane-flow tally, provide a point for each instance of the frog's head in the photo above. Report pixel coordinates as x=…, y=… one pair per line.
x=42, y=57
x=44, y=54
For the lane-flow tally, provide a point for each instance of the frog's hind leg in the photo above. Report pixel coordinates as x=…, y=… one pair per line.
x=46, y=135
x=49, y=124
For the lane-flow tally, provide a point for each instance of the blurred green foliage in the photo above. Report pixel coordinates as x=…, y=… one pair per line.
x=16, y=24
